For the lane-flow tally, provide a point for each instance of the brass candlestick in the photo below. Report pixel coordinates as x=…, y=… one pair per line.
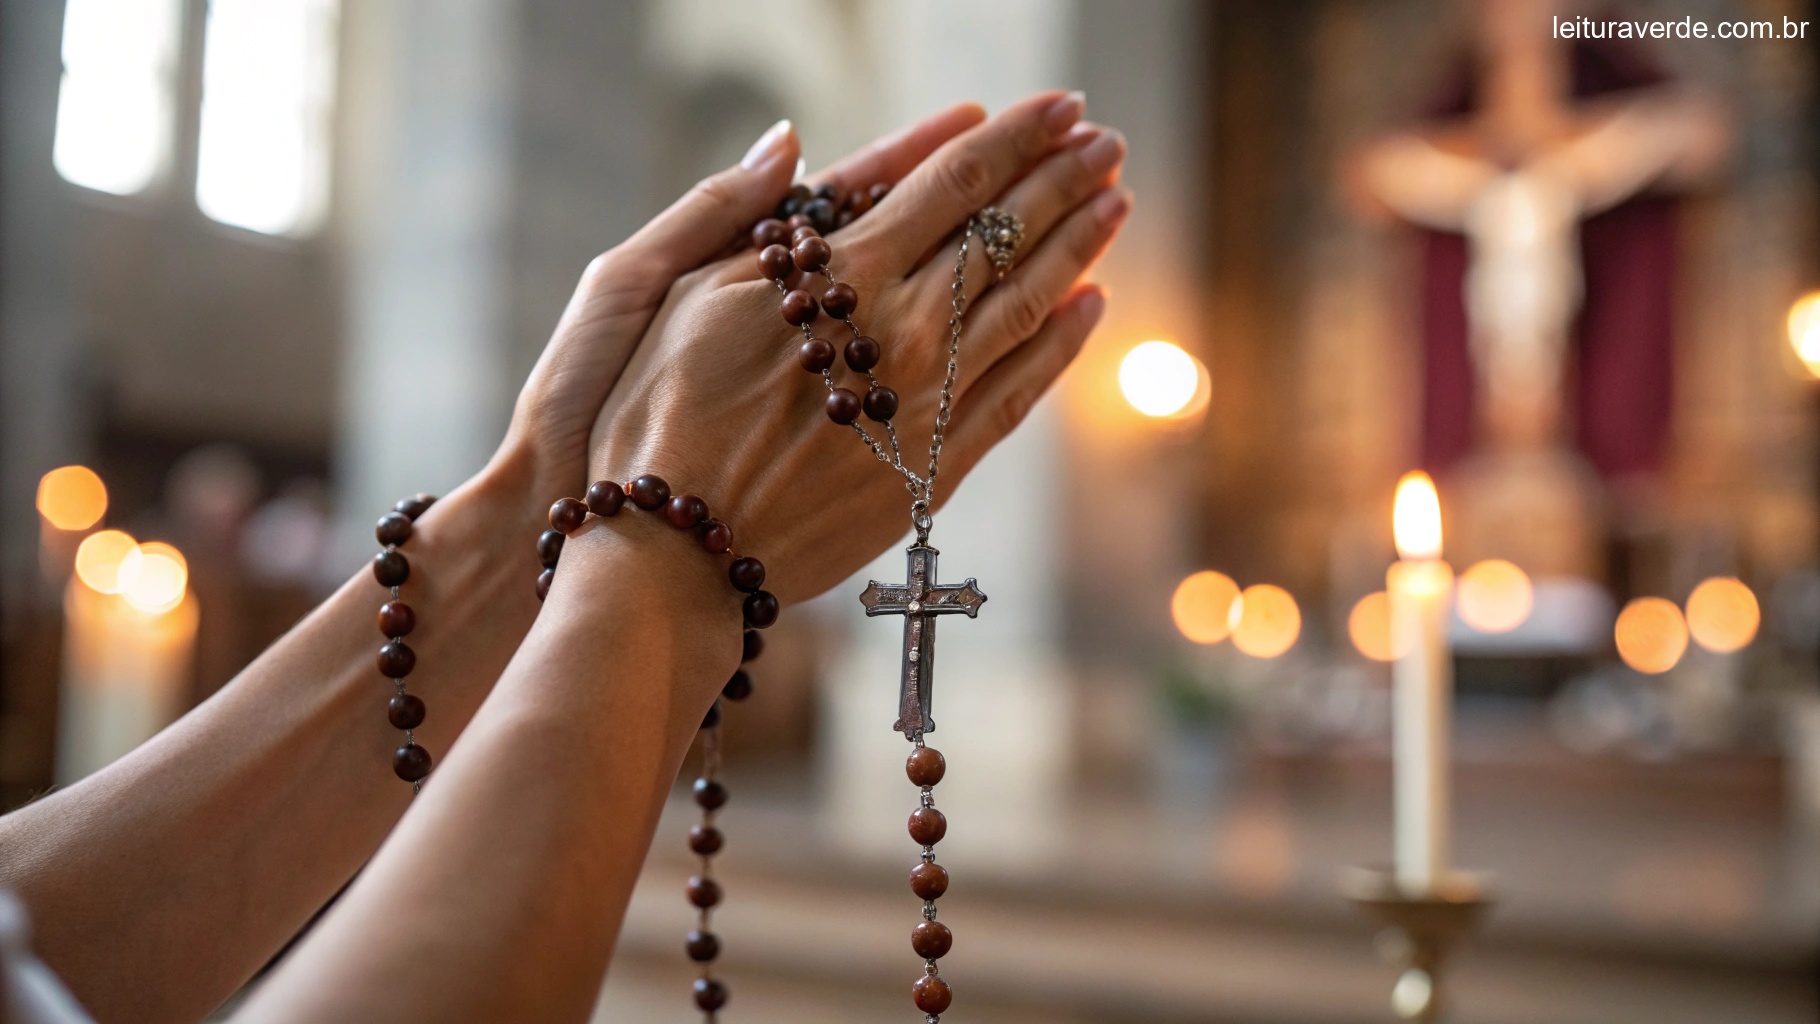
x=1419, y=930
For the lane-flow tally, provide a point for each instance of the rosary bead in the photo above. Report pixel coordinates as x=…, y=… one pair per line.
x=753, y=646
x=394, y=528
x=415, y=505
x=774, y=261
x=705, y=840
x=549, y=547
x=704, y=892
x=769, y=232
x=858, y=203
x=931, y=939
x=606, y=498
x=396, y=660
x=827, y=190
x=761, y=609
x=842, y=219
x=881, y=403
x=798, y=220
x=396, y=619
x=404, y=711
x=927, y=826
x=686, y=511
x=746, y=574
x=703, y=947
x=926, y=766
x=798, y=307
x=410, y=762
x=879, y=191
x=545, y=580
x=862, y=354
x=794, y=199
x=649, y=492
x=739, y=687
x=806, y=231
x=812, y=253
x=820, y=213
x=710, y=994
x=928, y=880
x=816, y=355
x=843, y=406
x=710, y=795
x=840, y=300
x=568, y=514
x=932, y=994
x=390, y=568
x=712, y=718
x=716, y=537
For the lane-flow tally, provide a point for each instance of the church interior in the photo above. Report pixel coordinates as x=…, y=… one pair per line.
x=1574, y=281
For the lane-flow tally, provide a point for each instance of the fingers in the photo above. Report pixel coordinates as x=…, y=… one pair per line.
x=889, y=159
x=1020, y=305
x=961, y=177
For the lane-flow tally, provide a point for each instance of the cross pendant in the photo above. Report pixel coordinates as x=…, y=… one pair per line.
x=919, y=601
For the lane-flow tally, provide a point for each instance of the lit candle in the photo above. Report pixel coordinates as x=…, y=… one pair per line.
x=1420, y=586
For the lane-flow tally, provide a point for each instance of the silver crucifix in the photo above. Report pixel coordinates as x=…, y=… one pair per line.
x=919, y=601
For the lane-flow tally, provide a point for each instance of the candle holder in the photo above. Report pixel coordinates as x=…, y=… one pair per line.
x=1418, y=930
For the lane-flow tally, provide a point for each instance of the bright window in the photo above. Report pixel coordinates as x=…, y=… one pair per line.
x=115, y=104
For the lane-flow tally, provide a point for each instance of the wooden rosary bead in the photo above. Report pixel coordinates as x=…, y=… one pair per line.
x=812, y=253
x=840, y=300
x=761, y=609
x=414, y=506
x=685, y=511
x=568, y=514
x=827, y=190
x=774, y=261
x=842, y=219
x=798, y=221
x=545, y=580
x=821, y=213
x=704, y=893
x=394, y=528
x=405, y=711
x=932, y=994
x=862, y=354
x=605, y=498
x=716, y=537
x=712, y=718
x=928, y=880
x=549, y=547
x=843, y=406
x=927, y=826
x=752, y=646
x=710, y=795
x=649, y=492
x=878, y=191
x=931, y=939
x=746, y=574
x=396, y=619
x=769, y=232
x=391, y=569
x=805, y=231
x=880, y=404
x=396, y=660
x=816, y=355
x=710, y=994
x=798, y=307
x=739, y=687
x=858, y=203
x=702, y=947
x=411, y=762
x=926, y=766
x=793, y=200
x=705, y=840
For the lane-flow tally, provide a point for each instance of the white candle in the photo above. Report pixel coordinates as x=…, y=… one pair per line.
x=1421, y=588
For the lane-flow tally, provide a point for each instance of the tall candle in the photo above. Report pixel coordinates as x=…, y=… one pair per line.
x=1421, y=588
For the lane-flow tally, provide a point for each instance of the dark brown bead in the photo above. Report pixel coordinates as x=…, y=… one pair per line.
x=932, y=994
x=411, y=762
x=752, y=646
x=716, y=537
x=806, y=231
x=928, y=880
x=404, y=711
x=926, y=766
x=774, y=262
x=932, y=940
x=927, y=826
x=827, y=190
x=568, y=514
x=840, y=300
x=545, y=580
x=769, y=232
x=798, y=307
x=606, y=498
x=712, y=718
x=746, y=574
x=394, y=528
x=396, y=619
x=793, y=200
x=705, y=840
x=842, y=219
x=396, y=660
x=862, y=354
x=858, y=203
x=702, y=947
x=649, y=492
x=549, y=547
x=710, y=795
x=739, y=687
x=816, y=355
x=685, y=511
x=391, y=569
x=843, y=406
x=704, y=892
x=761, y=609
x=821, y=213
x=812, y=253
x=880, y=404
x=710, y=994
x=879, y=191
x=798, y=220
x=415, y=505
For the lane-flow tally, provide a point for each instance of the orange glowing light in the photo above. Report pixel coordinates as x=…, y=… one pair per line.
x=1651, y=635
x=154, y=577
x=1265, y=621
x=1722, y=615
x=72, y=497
x=1202, y=606
x=1804, y=331
x=1369, y=627
x=1495, y=596
x=1416, y=517
x=1160, y=380
x=101, y=556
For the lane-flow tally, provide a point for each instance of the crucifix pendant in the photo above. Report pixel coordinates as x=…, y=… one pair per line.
x=919, y=600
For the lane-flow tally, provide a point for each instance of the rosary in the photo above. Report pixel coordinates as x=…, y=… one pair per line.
x=791, y=249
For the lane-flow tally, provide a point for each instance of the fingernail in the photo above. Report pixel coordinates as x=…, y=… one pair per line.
x=1093, y=305
x=802, y=170
x=1065, y=111
x=1104, y=153
x=1112, y=206
x=767, y=145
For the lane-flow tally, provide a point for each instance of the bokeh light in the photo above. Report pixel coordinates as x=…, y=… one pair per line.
x=1722, y=614
x=1651, y=635
x=154, y=581
x=101, y=556
x=1202, y=606
x=1266, y=621
x=72, y=497
x=1804, y=331
x=1416, y=517
x=1369, y=627
x=1159, y=379
x=1495, y=596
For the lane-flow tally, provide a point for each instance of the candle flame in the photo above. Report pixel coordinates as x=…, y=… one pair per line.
x=1804, y=331
x=1416, y=518
x=156, y=580
x=72, y=498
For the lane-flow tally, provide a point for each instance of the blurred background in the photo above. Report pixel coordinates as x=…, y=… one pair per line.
x=266, y=265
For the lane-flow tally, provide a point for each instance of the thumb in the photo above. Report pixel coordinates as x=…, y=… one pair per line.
x=697, y=227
